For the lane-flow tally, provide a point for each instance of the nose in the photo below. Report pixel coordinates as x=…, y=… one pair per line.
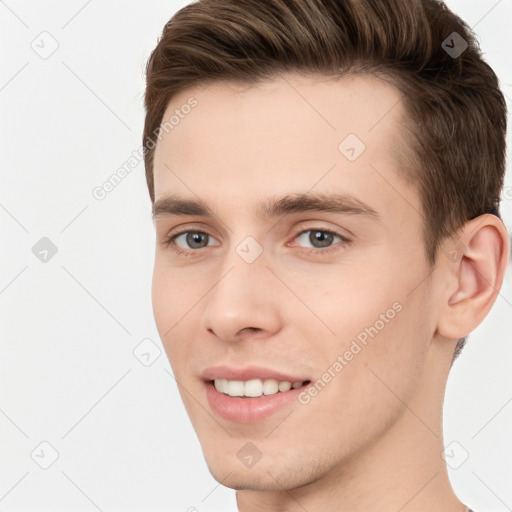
x=245, y=300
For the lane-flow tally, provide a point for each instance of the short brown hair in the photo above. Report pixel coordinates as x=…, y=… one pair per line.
x=456, y=113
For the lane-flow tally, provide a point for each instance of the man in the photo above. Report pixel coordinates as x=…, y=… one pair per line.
x=325, y=178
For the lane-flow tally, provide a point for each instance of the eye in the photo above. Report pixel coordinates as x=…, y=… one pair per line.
x=192, y=239
x=322, y=240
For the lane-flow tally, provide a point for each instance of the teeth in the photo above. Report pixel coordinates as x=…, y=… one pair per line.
x=235, y=388
x=221, y=385
x=270, y=387
x=253, y=388
x=285, y=386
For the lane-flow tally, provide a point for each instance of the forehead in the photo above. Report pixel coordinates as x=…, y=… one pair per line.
x=294, y=132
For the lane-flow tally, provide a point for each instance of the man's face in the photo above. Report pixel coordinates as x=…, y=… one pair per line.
x=341, y=298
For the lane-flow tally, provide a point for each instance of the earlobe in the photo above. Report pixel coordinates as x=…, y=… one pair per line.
x=476, y=277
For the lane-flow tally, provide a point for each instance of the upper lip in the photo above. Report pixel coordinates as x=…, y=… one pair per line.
x=248, y=373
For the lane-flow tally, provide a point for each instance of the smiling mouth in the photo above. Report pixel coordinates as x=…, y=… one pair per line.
x=255, y=388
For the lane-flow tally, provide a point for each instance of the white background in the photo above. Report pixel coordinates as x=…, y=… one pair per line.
x=68, y=373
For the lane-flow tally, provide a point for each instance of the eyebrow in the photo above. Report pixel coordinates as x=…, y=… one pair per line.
x=273, y=207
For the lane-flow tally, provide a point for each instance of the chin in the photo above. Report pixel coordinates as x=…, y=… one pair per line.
x=252, y=480
x=269, y=475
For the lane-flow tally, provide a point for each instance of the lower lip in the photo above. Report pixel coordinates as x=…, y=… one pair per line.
x=248, y=410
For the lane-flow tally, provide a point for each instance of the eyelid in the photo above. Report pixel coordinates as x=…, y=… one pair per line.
x=316, y=225
x=344, y=234
x=190, y=227
x=328, y=231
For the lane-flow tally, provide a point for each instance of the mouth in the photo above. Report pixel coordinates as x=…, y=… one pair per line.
x=254, y=400
x=255, y=388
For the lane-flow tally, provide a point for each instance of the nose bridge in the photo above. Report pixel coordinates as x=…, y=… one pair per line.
x=240, y=297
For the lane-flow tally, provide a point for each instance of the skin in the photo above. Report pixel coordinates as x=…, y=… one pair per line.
x=372, y=438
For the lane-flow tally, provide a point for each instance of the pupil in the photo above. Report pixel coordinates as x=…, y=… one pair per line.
x=194, y=239
x=320, y=238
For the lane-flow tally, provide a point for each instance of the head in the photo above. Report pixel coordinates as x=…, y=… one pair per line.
x=375, y=128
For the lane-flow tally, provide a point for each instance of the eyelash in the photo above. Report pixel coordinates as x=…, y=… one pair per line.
x=170, y=241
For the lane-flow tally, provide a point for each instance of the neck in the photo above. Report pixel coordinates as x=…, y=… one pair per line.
x=401, y=471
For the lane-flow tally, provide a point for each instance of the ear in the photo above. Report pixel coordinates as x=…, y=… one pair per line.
x=475, y=262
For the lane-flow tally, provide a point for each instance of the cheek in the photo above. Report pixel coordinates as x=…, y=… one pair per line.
x=391, y=350
x=348, y=302
x=174, y=292
x=172, y=302
x=162, y=300
x=381, y=334
x=365, y=392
